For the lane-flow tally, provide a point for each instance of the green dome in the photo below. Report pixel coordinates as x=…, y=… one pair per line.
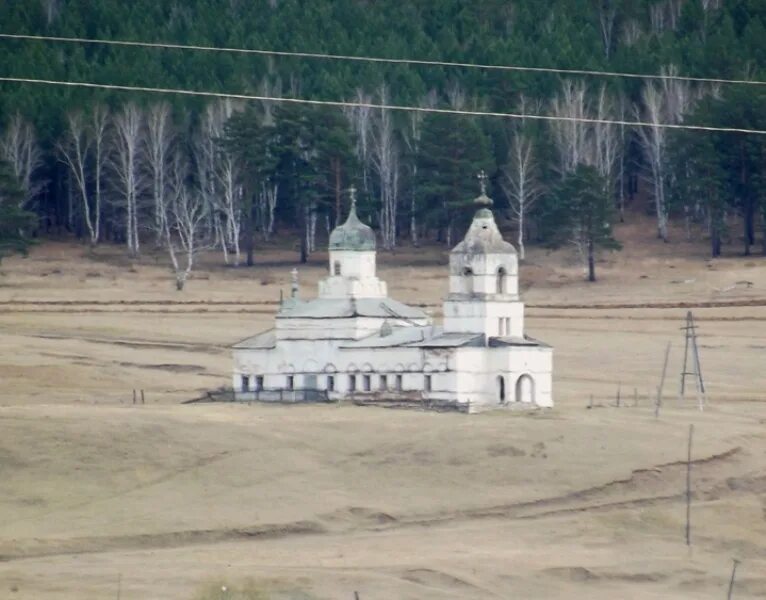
x=352, y=235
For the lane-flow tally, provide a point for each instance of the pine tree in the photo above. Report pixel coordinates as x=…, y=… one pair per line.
x=582, y=214
x=15, y=222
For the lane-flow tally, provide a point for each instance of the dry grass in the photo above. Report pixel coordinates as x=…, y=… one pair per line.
x=317, y=502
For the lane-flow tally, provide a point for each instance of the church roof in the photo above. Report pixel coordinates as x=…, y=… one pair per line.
x=483, y=236
x=345, y=308
x=418, y=337
x=353, y=234
x=263, y=341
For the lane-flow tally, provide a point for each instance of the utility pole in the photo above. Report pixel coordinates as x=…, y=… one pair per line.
x=691, y=350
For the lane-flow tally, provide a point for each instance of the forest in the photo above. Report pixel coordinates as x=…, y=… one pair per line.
x=189, y=174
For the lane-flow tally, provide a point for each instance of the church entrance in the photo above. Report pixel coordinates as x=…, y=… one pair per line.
x=525, y=389
x=501, y=388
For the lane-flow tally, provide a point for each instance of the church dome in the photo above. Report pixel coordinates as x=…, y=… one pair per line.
x=483, y=235
x=353, y=234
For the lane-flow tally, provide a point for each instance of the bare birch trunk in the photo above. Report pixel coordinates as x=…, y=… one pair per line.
x=126, y=166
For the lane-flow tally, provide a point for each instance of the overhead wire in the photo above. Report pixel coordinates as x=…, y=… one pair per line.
x=375, y=105
x=378, y=59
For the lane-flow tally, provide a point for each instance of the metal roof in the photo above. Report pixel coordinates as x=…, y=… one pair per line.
x=263, y=341
x=346, y=308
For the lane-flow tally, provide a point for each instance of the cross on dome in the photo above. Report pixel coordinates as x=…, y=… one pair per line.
x=483, y=200
x=352, y=193
x=482, y=177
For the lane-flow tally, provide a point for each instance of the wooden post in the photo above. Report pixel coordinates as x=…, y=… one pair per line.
x=143, y=401
x=134, y=396
x=731, y=582
x=662, y=381
x=619, y=390
x=689, y=487
x=696, y=372
x=119, y=586
x=356, y=595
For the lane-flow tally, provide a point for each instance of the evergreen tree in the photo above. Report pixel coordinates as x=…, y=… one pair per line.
x=15, y=223
x=582, y=214
x=452, y=152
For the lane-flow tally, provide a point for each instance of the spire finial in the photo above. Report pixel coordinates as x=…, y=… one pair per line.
x=352, y=193
x=482, y=177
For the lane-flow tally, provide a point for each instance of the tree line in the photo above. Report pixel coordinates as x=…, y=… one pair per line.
x=185, y=176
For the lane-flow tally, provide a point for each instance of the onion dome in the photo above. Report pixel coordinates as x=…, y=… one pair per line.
x=483, y=236
x=353, y=235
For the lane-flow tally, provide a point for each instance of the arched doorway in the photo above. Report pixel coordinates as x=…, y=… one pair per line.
x=525, y=389
x=501, y=389
x=501, y=277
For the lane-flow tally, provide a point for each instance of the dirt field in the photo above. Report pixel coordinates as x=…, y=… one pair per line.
x=101, y=498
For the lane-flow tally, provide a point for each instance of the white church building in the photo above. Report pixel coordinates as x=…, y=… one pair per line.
x=354, y=343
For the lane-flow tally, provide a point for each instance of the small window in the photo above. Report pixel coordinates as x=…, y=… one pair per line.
x=399, y=385
x=259, y=382
x=428, y=383
x=501, y=327
x=367, y=382
x=383, y=383
x=501, y=280
x=245, y=383
x=330, y=383
x=336, y=270
x=290, y=382
x=352, y=383
x=507, y=326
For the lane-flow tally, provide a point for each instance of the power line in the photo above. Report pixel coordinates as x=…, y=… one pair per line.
x=373, y=105
x=377, y=59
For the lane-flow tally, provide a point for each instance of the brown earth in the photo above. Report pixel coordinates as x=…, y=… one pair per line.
x=101, y=498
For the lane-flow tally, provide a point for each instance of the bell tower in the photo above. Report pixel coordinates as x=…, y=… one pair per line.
x=352, y=260
x=483, y=284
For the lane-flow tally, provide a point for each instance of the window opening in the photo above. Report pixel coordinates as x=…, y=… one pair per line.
x=399, y=385
x=259, y=382
x=290, y=382
x=501, y=276
x=428, y=383
x=367, y=382
x=336, y=270
x=352, y=383
x=330, y=383
x=245, y=383
x=383, y=382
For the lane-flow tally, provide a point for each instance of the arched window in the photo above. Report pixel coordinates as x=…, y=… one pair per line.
x=501, y=277
x=468, y=280
x=336, y=268
x=501, y=389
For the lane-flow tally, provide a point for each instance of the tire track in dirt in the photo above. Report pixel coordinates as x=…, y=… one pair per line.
x=594, y=499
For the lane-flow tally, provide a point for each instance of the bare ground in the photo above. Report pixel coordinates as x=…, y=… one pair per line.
x=100, y=496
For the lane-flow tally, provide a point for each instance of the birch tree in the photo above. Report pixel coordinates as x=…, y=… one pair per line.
x=664, y=103
x=74, y=151
x=607, y=15
x=360, y=118
x=570, y=136
x=100, y=120
x=19, y=148
x=126, y=166
x=521, y=183
x=385, y=159
x=159, y=141
x=185, y=216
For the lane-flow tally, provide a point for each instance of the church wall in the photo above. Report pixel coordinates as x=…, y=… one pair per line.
x=480, y=368
x=466, y=316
